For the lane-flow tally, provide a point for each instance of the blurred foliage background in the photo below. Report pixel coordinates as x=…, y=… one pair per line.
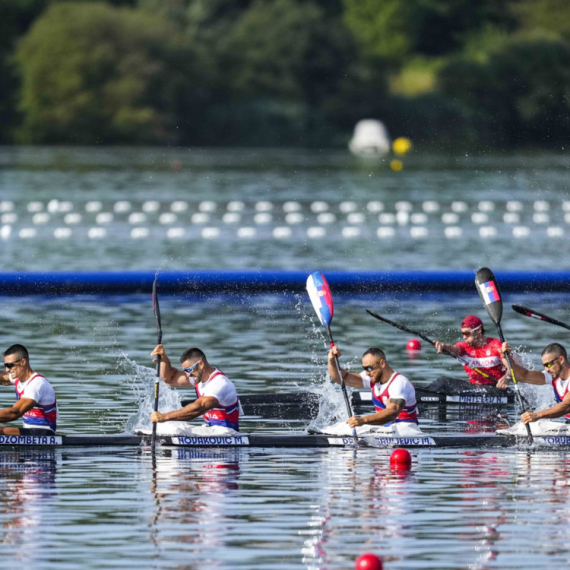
x=284, y=72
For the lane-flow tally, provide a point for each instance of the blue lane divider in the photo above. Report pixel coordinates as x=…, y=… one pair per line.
x=271, y=281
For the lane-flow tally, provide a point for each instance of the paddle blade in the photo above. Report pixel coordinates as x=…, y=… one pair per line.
x=321, y=297
x=488, y=289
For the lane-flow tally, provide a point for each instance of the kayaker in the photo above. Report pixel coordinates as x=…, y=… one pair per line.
x=35, y=397
x=217, y=399
x=393, y=395
x=480, y=351
x=556, y=372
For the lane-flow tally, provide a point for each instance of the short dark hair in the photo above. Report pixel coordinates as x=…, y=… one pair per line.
x=191, y=354
x=19, y=350
x=556, y=349
x=377, y=352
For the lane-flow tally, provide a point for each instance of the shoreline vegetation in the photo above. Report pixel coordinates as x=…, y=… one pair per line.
x=289, y=73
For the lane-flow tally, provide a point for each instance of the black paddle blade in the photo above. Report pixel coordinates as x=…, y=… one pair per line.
x=490, y=294
x=156, y=309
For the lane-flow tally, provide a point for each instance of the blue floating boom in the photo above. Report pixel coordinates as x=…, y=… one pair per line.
x=271, y=281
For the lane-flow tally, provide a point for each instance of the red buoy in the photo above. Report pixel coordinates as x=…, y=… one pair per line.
x=414, y=345
x=401, y=459
x=368, y=562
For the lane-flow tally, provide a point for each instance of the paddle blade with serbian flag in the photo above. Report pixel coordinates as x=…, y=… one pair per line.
x=321, y=297
x=489, y=292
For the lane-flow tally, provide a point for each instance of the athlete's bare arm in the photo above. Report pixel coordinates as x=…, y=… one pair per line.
x=17, y=410
x=557, y=411
x=350, y=379
x=171, y=376
x=393, y=409
x=197, y=408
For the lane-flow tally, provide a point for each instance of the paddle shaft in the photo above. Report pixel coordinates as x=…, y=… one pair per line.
x=541, y=317
x=158, y=359
x=515, y=383
x=342, y=384
x=427, y=339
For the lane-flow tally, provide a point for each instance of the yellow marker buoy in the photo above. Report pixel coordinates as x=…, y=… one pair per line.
x=396, y=165
x=402, y=145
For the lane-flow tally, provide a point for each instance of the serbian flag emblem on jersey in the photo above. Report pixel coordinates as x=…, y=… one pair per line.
x=321, y=297
x=490, y=292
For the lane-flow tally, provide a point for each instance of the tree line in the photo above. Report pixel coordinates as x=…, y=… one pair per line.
x=284, y=72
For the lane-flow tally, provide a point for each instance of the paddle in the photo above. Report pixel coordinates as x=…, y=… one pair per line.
x=427, y=339
x=156, y=309
x=536, y=315
x=488, y=289
x=321, y=298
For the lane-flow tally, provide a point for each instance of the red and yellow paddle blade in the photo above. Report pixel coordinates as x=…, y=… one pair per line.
x=321, y=297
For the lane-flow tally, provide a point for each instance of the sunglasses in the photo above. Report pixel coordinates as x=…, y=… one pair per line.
x=369, y=368
x=190, y=368
x=550, y=363
x=10, y=365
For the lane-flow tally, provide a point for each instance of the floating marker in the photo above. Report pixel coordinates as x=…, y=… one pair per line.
x=453, y=232
x=139, y=233
x=200, y=218
x=122, y=206
x=487, y=231
x=27, y=233
x=264, y=206
x=326, y=218
x=94, y=206
x=5, y=232
x=346, y=207
x=210, y=233
x=246, y=232
x=555, y=232
x=73, y=218
x=403, y=206
x=282, y=232
x=6, y=206
x=385, y=233
x=414, y=345
x=514, y=206
x=96, y=233
x=419, y=232
x=175, y=233
x=104, y=218
x=486, y=206
x=351, y=232
x=540, y=218
x=459, y=206
x=450, y=218
x=294, y=218
x=511, y=218
x=137, y=218
x=541, y=206
x=231, y=218
x=419, y=218
x=479, y=218
x=167, y=218
x=401, y=459
x=402, y=217
x=62, y=233
x=430, y=206
x=368, y=562
x=35, y=207
x=316, y=232
x=179, y=206
x=319, y=207
x=387, y=219
x=9, y=218
x=375, y=207
x=521, y=232
x=207, y=206
x=40, y=218
x=291, y=206
x=355, y=218
x=151, y=206
x=235, y=206
x=263, y=218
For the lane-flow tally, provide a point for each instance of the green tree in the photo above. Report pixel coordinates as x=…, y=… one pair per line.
x=95, y=73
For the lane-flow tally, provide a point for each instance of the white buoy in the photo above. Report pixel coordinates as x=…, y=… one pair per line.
x=459, y=206
x=375, y=206
x=479, y=218
x=200, y=218
x=450, y=218
x=6, y=206
x=94, y=206
x=419, y=232
x=96, y=233
x=355, y=218
x=140, y=233
x=207, y=206
x=326, y=218
x=555, y=232
x=541, y=206
x=246, y=233
x=5, y=232
x=235, y=206
x=104, y=218
x=179, y=206
x=387, y=218
x=514, y=206
x=262, y=218
x=521, y=232
x=62, y=233
x=291, y=206
x=316, y=232
x=419, y=218
x=264, y=206
x=350, y=232
x=430, y=206
x=40, y=218
x=486, y=206
x=346, y=207
x=488, y=231
x=27, y=233
x=10, y=218
x=282, y=232
x=122, y=206
x=453, y=232
x=385, y=233
x=319, y=206
x=511, y=218
x=73, y=218
x=210, y=233
x=540, y=218
x=403, y=206
x=35, y=207
x=167, y=218
x=370, y=138
x=175, y=233
x=137, y=218
x=231, y=218
x=151, y=206
x=294, y=218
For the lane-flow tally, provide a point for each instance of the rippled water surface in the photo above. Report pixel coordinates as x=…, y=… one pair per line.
x=260, y=508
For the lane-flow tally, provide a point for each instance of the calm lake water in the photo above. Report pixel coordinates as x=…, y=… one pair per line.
x=284, y=509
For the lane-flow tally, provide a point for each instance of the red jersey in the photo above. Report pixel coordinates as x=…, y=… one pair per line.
x=486, y=358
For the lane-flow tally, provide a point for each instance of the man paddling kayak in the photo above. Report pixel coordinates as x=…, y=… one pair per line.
x=217, y=397
x=556, y=372
x=393, y=395
x=35, y=396
x=480, y=351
